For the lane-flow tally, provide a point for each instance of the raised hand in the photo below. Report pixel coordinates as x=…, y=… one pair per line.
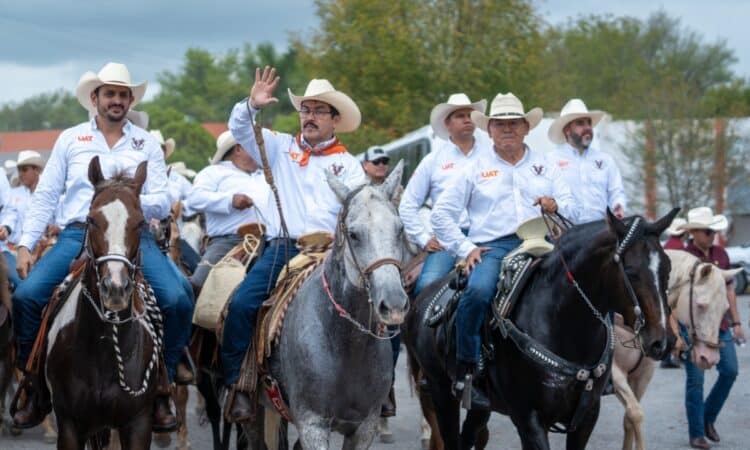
x=261, y=93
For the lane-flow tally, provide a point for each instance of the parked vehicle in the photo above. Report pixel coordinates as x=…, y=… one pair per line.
x=740, y=257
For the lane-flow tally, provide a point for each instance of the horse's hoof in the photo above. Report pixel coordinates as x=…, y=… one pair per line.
x=387, y=438
x=425, y=444
x=50, y=437
x=162, y=440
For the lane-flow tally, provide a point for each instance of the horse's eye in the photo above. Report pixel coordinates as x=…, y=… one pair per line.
x=353, y=236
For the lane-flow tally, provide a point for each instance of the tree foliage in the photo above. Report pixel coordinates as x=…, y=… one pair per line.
x=53, y=110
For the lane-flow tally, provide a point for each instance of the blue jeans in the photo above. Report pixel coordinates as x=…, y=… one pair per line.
x=477, y=296
x=436, y=266
x=239, y=325
x=33, y=293
x=700, y=412
x=13, y=277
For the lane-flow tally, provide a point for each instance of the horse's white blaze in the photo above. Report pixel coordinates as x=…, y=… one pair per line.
x=117, y=217
x=66, y=316
x=653, y=265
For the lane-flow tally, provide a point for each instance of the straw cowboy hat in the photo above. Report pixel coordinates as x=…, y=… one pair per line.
x=224, y=143
x=674, y=227
x=168, y=144
x=29, y=158
x=323, y=91
x=112, y=73
x=507, y=107
x=574, y=109
x=703, y=218
x=532, y=232
x=455, y=102
x=182, y=169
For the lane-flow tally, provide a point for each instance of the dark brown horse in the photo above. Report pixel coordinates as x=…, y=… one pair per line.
x=548, y=374
x=103, y=345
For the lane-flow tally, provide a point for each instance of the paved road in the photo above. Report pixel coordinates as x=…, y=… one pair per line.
x=665, y=424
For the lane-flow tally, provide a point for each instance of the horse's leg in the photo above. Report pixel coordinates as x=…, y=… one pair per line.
x=533, y=435
x=137, y=435
x=50, y=432
x=208, y=388
x=639, y=386
x=314, y=432
x=447, y=410
x=68, y=437
x=431, y=439
x=363, y=435
x=633, y=411
x=181, y=400
x=474, y=424
x=578, y=439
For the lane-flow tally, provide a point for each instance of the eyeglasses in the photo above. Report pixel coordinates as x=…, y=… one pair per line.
x=305, y=112
x=383, y=161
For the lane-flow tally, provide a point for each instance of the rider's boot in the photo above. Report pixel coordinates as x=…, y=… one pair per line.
x=238, y=406
x=31, y=403
x=164, y=419
x=467, y=389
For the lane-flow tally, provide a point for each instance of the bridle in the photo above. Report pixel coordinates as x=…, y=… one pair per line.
x=343, y=238
x=692, y=330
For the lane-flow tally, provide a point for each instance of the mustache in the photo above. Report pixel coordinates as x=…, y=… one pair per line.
x=311, y=123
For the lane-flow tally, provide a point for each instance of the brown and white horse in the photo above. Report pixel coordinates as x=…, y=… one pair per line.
x=697, y=294
x=103, y=345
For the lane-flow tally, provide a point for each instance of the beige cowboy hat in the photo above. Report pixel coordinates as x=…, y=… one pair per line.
x=182, y=169
x=506, y=107
x=532, y=232
x=674, y=227
x=323, y=91
x=574, y=109
x=112, y=73
x=29, y=158
x=169, y=144
x=455, y=102
x=703, y=218
x=224, y=143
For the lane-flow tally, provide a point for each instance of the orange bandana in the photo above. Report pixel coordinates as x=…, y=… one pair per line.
x=330, y=149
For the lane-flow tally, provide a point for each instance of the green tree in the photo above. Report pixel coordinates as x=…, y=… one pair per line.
x=194, y=145
x=398, y=59
x=58, y=109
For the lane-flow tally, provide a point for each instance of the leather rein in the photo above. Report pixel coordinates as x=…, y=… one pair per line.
x=341, y=239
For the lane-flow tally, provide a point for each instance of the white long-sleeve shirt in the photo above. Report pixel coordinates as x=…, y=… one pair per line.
x=594, y=178
x=212, y=194
x=4, y=190
x=431, y=177
x=179, y=186
x=307, y=201
x=66, y=172
x=13, y=214
x=498, y=196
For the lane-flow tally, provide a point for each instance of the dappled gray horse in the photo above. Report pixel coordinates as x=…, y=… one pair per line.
x=333, y=362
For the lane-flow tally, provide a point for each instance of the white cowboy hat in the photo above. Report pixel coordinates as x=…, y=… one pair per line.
x=455, y=102
x=29, y=158
x=574, y=109
x=323, y=91
x=112, y=73
x=169, y=144
x=506, y=107
x=674, y=227
x=182, y=169
x=703, y=218
x=224, y=143
x=532, y=232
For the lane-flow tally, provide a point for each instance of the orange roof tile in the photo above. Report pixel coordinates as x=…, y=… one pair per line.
x=215, y=128
x=14, y=141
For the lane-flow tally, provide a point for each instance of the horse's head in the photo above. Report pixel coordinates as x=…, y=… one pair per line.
x=113, y=233
x=369, y=242
x=698, y=296
x=643, y=299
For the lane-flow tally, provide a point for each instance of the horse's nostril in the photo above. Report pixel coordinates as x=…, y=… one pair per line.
x=658, y=347
x=383, y=309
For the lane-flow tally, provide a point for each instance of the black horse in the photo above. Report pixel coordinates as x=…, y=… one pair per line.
x=560, y=321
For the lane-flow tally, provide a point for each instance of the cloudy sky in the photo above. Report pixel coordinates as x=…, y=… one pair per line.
x=47, y=44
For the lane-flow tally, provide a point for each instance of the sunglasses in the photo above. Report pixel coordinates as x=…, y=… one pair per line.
x=378, y=162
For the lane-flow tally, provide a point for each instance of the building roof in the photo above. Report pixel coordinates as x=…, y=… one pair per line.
x=44, y=140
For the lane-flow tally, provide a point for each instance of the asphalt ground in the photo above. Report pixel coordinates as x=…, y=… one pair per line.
x=665, y=423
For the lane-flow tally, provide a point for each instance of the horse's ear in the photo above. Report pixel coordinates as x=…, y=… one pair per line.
x=140, y=176
x=705, y=271
x=95, y=171
x=616, y=225
x=662, y=224
x=338, y=188
x=393, y=181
